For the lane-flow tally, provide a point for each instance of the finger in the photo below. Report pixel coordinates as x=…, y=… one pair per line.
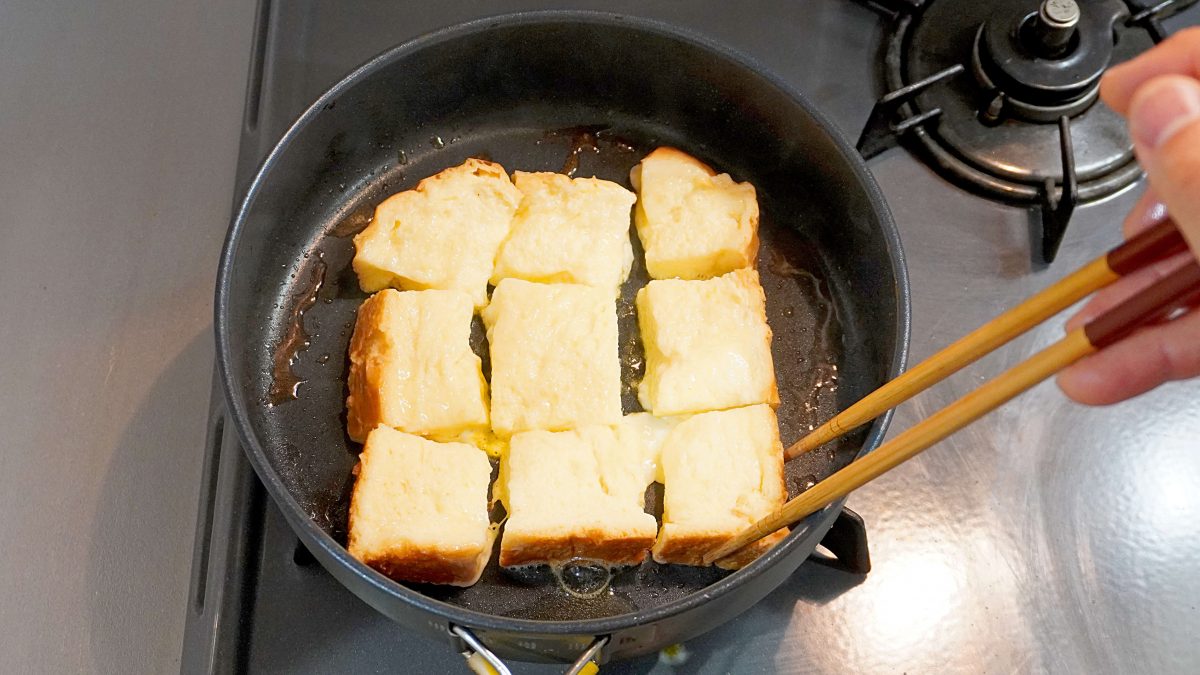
x=1164, y=120
x=1137, y=364
x=1177, y=55
x=1124, y=289
x=1149, y=210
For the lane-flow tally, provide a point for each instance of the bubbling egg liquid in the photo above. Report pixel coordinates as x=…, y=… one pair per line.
x=580, y=578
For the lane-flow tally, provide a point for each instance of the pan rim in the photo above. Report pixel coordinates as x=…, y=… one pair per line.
x=813, y=527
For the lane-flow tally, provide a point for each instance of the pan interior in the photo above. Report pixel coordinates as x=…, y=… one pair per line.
x=830, y=293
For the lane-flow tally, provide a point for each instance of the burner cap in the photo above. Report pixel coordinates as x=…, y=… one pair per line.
x=1045, y=61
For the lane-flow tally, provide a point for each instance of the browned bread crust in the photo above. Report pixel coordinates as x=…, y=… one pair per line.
x=454, y=568
x=363, y=406
x=592, y=544
x=690, y=549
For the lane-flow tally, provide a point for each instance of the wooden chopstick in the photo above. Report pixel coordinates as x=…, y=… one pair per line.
x=1155, y=243
x=1170, y=293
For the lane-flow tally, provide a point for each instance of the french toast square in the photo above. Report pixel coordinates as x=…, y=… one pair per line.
x=568, y=230
x=693, y=222
x=419, y=510
x=412, y=368
x=722, y=471
x=554, y=357
x=442, y=234
x=707, y=344
x=577, y=494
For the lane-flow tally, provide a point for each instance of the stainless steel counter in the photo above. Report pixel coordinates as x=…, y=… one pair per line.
x=1047, y=538
x=118, y=140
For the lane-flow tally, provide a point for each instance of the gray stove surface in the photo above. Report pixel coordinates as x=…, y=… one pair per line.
x=1047, y=537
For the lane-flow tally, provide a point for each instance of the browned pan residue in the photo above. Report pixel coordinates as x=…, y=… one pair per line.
x=285, y=384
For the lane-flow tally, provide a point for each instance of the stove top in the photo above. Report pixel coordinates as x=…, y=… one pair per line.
x=1000, y=549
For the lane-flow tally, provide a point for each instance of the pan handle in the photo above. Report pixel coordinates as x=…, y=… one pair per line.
x=579, y=667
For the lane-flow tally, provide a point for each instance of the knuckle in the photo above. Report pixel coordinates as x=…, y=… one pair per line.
x=1178, y=160
x=1181, y=352
x=1189, y=38
x=1189, y=35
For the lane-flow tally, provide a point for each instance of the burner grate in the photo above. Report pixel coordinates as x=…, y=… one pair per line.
x=1001, y=99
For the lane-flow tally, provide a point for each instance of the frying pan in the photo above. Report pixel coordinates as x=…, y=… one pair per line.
x=580, y=92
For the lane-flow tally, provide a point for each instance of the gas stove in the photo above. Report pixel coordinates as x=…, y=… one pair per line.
x=983, y=557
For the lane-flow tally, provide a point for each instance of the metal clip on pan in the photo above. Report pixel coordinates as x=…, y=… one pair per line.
x=589, y=655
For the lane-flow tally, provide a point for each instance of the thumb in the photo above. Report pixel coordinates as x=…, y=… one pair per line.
x=1164, y=120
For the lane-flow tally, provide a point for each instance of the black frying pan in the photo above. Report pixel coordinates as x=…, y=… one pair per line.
x=550, y=91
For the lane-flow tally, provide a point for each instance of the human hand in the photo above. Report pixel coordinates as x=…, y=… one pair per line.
x=1159, y=94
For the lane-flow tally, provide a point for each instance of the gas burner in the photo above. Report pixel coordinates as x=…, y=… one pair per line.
x=1002, y=97
x=1043, y=65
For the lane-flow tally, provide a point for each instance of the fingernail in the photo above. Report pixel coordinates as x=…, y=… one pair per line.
x=1155, y=213
x=1162, y=109
x=1149, y=211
